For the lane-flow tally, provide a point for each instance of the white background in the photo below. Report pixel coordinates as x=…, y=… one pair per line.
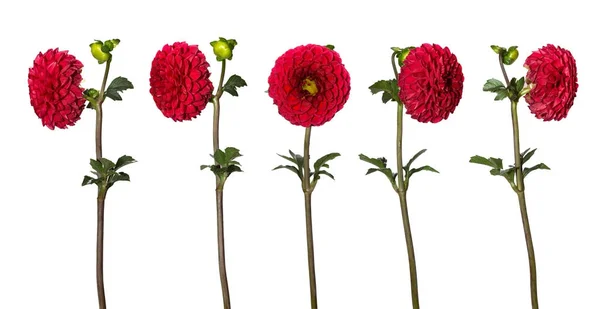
x=160, y=245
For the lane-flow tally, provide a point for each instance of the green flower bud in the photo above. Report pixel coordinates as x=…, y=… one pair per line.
x=223, y=48
x=99, y=52
x=91, y=93
x=403, y=54
x=510, y=56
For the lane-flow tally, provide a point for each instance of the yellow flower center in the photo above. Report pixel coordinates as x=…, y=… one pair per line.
x=310, y=86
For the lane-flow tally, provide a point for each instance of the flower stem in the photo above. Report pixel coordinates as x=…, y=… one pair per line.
x=520, y=190
x=221, y=242
x=102, y=190
x=307, y=189
x=394, y=64
x=100, y=249
x=217, y=111
x=219, y=195
x=412, y=264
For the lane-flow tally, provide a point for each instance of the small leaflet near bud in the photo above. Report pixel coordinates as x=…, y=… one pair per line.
x=330, y=46
x=497, y=49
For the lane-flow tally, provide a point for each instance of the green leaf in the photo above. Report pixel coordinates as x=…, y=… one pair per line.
x=87, y=180
x=299, y=159
x=220, y=157
x=379, y=162
x=328, y=157
x=232, y=169
x=540, y=166
x=231, y=153
x=372, y=170
x=481, y=160
x=291, y=168
x=124, y=160
x=388, y=87
x=107, y=164
x=501, y=95
x=97, y=166
x=288, y=158
x=330, y=46
x=121, y=176
x=234, y=82
x=422, y=168
x=497, y=163
x=326, y=173
x=509, y=174
x=493, y=85
x=410, y=162
x=526, y=155
x=118, y=84
x=520, y=84
x=205, y=166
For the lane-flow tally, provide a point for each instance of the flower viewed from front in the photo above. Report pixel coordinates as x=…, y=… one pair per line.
x=431, y=83
x=179, y=81
x=309, y=84
x=552, y=76
x=54, y=88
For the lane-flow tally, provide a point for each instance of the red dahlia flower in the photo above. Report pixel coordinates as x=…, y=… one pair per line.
x=179, y=81
x=309, y=84
x=431, y=83
x=553, y=78
x=54, y=90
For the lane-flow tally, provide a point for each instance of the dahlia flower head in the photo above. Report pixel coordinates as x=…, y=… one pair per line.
x=552, y=76
x=179, y=81
x=431, y=83
x=309, y=84
x=54, y=88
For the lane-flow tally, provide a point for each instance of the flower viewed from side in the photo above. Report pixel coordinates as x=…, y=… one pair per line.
x=54, y=88
x=431, y=83
x=309, y=84
x=552, y=77
x=179, y=81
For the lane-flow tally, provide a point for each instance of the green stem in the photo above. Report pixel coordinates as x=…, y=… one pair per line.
x=394, y=64
x=405, y=218
x=307, y=188
x=520, y=190
x=221, y=242
x=99, y=112
x=101, y=197
x=219, y=195
x=100, y=249
x=217, y=111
